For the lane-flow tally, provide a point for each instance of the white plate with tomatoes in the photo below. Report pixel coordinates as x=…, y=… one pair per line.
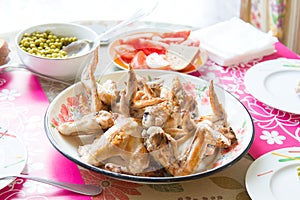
x=161, y=49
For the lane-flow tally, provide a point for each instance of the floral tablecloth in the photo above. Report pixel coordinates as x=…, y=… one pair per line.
x=24, y=99
x=274, y=129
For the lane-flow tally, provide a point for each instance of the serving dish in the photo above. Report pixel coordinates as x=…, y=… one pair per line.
x=13, y=157
x=274, y=83
x=61, y=68
x=275, y=175
x=238, y=117
x=178, y=37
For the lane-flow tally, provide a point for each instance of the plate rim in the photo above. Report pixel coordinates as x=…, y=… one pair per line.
x=277, y=67
x=251, y=170
x=21, y=144
x=141, y=179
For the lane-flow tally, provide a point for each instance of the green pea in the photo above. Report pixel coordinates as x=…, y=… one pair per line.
x=26, y=44
x=45, y=44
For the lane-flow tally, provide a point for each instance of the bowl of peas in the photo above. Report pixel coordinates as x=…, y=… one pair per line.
x=40, y=48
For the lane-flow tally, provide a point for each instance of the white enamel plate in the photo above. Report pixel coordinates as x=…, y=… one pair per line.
x=238, y=118
x=274, y=82
x=275, y=175
x=13, y=157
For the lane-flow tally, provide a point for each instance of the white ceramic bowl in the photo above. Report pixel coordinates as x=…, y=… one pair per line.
x=61, y=68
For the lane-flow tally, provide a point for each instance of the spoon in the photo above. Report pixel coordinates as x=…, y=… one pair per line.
x=82, y=46
x=90, y=190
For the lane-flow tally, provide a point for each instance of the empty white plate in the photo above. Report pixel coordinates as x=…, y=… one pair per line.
x=13, y=157
x=275, y=175
x=274, y=82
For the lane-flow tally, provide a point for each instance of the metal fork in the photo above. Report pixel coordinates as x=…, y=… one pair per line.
x=90, y=190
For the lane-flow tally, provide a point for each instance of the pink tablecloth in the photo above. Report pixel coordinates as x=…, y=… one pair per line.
x=274, y=128
x=22, y=107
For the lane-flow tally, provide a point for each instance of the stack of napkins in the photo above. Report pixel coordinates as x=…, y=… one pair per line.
x=234, y=42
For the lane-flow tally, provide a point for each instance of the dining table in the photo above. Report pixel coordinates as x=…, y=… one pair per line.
x=24, y=99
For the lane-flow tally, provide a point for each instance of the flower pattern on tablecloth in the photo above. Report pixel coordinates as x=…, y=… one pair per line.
x=268, y=118
x=9, y=95
x=33, y=187
x=113, y=189
x=14, y=116
x=272, y=137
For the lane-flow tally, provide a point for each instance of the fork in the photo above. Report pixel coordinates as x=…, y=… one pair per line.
x=90, y=190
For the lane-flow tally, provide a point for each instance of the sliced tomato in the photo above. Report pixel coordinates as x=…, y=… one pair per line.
x=127, y=56
x=141, y=44
x=150, y=46
x=149, y=51
x=139, y=61
x=177, y=34
x=125, y=52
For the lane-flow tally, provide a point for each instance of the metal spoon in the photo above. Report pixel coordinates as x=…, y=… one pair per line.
x=81, y=46
x=90, y=190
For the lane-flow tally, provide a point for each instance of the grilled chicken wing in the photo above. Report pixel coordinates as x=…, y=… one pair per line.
x=148, y=127
x=120, y=148
x=89, y=124
x=198, y=139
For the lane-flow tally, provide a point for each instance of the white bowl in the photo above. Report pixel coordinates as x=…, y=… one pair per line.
x=60, y=68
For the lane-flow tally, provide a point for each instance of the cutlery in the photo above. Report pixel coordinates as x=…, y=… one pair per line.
x=90, y=190
x=81, y=46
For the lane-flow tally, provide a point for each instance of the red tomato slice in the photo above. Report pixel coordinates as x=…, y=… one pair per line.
x=126, y=52
x=150, y=46
x=149, y=51
x=139, y=61
x=127, y=56
x=141, y=44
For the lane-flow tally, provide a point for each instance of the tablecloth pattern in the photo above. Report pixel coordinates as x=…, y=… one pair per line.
x=26, y=104
x=274, y=128
x=23, y=104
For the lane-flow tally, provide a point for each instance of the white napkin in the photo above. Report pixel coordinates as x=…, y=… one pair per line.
x=234, y=41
